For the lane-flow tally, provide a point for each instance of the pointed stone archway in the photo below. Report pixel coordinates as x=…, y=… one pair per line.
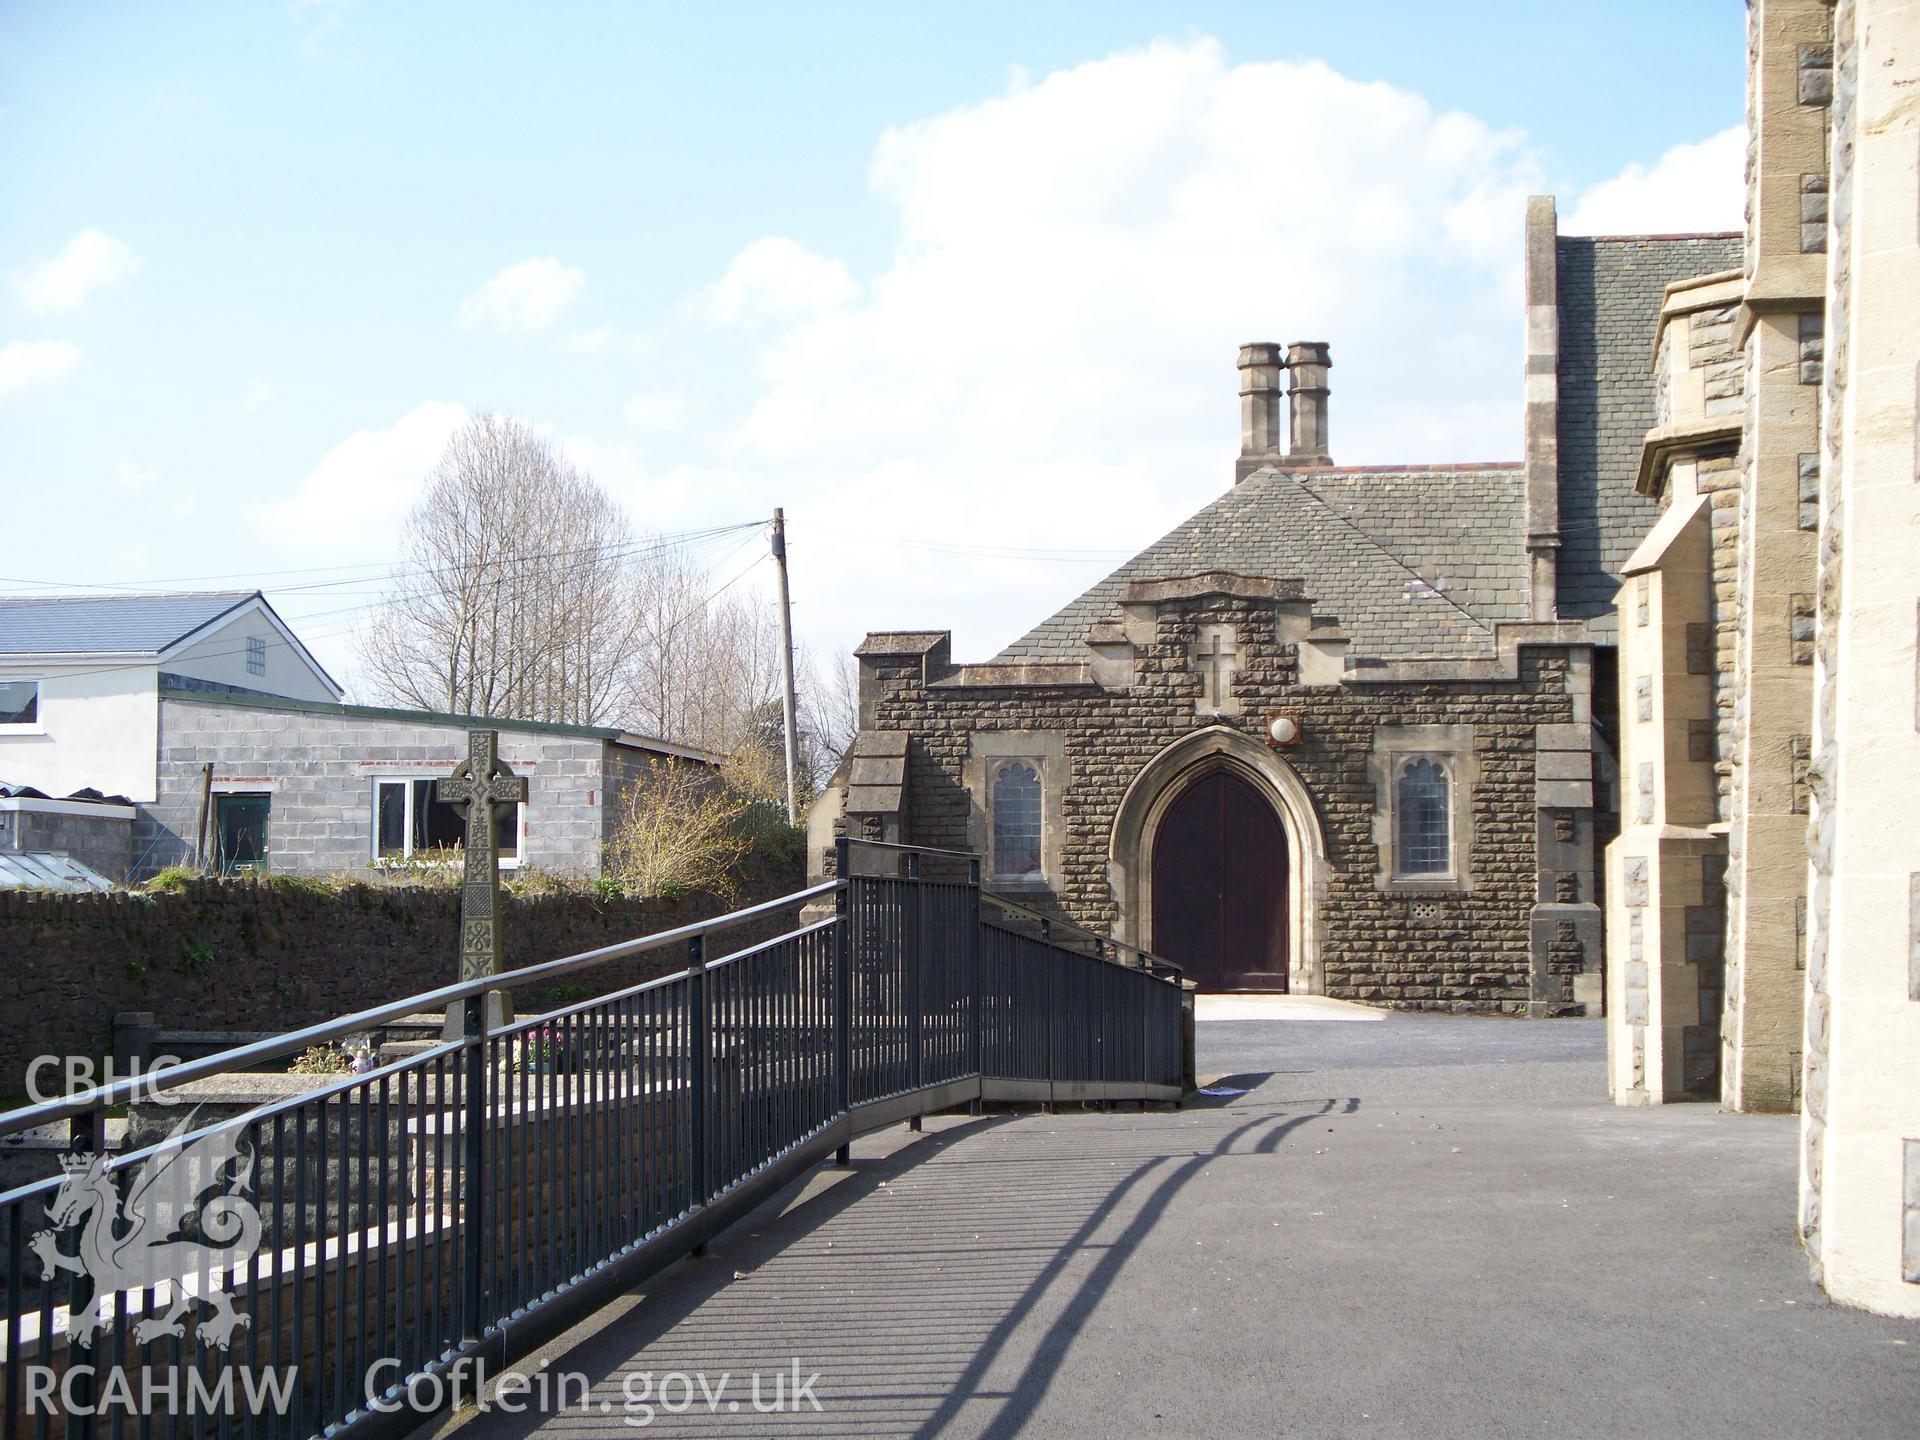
x=1153, y=792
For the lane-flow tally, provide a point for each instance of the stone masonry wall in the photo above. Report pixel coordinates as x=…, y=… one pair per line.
x=1470, y=954
x=275, y=955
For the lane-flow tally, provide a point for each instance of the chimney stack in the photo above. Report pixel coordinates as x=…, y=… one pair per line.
x=1260, y=367
x=1307, y=364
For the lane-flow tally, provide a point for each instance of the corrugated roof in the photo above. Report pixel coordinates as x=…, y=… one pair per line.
x=47, y=870
x=1413, y=560
x=108, y=624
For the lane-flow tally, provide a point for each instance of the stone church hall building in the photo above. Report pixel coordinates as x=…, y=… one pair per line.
x=1347, y=730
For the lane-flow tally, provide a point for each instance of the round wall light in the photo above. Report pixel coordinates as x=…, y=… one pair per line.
x=1283, y=728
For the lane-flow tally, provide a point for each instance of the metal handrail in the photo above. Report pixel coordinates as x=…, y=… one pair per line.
x=240, y=1057
x=545, y=1181
x=915, y=849
x=1151, y=961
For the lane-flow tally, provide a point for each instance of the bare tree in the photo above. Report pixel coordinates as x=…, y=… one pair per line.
x=523, y=592
x=829, y=713
x=516, y=591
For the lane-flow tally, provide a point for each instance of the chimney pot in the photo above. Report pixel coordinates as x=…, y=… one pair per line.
x=1260, y=407
x=1307, y=364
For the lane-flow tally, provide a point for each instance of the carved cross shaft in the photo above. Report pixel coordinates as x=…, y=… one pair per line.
x=478, y=784
x=1217, y=666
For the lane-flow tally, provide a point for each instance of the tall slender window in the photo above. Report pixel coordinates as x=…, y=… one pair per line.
x=1016, y=819
x=1423, y=819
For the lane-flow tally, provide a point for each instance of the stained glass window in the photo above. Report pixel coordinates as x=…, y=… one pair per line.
x=1424, y=819
x=1016, y=820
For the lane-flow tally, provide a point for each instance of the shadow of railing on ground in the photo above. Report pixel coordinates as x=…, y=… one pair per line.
x=942, y=1284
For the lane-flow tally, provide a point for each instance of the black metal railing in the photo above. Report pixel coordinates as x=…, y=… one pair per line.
x=457, y=1206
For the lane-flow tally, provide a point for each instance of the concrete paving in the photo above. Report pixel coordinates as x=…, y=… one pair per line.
x=1426, y=1226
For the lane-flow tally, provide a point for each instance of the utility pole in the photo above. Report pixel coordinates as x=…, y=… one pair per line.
x=786, y=661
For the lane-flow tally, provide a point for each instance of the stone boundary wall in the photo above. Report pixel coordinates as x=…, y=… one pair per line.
x=245, y=955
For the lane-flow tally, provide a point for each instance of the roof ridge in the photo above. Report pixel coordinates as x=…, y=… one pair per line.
x=1449, y=467
x=130, y=595
x=1666, y=235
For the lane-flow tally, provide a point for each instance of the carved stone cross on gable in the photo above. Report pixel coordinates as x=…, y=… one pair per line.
x=478, y=784
x=1217, y=661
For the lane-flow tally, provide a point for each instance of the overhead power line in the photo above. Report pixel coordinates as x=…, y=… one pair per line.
x=370, y=570
x=589, y=553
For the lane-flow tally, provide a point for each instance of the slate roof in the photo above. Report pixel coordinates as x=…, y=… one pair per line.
x=1366, y=543
x=1610, y=291
x=108, y=624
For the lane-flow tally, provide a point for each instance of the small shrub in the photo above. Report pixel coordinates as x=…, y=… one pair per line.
x=678, y=830
x=530, y=880
x=606, y=890
x=303, y=885
x=436, y=869
x=173, y=879
x=196, y=957
x=322, y=1060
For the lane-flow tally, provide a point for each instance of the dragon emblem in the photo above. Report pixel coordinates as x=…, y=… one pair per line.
x=137, y=1244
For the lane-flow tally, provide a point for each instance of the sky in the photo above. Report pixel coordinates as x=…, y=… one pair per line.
x=959, y=287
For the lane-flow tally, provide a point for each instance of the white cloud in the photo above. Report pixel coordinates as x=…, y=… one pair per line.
x=528, y=296
x=92, y=260
x=35, y=362
x=1699, y=186
x=132, y=479
x=605, y=340
x=1047, y=359
x=356, y=496
x=258, y=392
x=776, y=278
x=658, y=409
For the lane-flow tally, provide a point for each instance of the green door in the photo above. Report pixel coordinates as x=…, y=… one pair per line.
x=242, y=822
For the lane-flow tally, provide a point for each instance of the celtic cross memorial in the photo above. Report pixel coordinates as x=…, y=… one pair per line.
x=479, y=784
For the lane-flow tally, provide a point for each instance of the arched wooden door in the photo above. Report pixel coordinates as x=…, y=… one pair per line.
x=1220, y=886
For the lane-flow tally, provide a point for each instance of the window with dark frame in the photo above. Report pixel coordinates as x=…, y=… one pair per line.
x=256, y=655
x=1016, y=820
x=1423, y=818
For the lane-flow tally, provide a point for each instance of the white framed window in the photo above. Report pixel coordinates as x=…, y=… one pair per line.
x=408, y=822
x=256, y=655
x=1017, y=811
x=19, y=703
x=1422, y=817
